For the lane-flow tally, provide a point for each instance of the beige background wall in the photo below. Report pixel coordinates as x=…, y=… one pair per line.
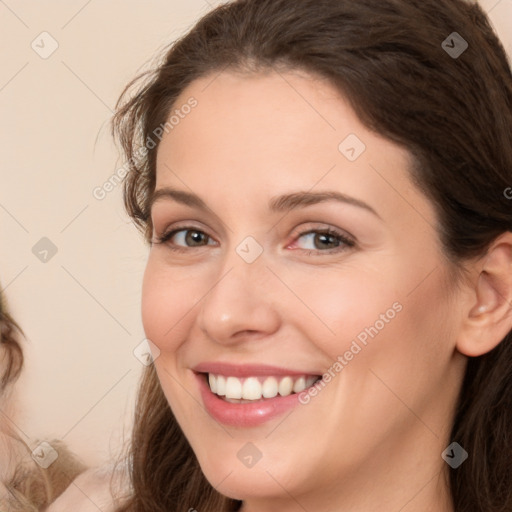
x=80, y=307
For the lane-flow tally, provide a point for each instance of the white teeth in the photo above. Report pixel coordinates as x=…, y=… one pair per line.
x=251, y=389
x=256, y=388
x=270, y=387
x=309, y=381
x=213, y=383
x=221, y=385
x=300, y=385
x=286, y=386
x=233, y=388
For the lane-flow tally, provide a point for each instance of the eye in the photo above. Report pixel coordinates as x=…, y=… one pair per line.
x=324, y=241
x=320, y=241
x=180, y=239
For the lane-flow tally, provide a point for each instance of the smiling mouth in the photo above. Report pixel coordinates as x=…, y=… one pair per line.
x=258, y=388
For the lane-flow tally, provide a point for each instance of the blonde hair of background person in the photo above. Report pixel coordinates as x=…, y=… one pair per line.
x=24, y=485
x=422, y=92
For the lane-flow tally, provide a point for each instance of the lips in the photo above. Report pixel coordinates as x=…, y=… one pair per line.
x=250, y=395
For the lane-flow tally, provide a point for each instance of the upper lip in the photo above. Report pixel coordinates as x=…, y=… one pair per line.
x=247, y=370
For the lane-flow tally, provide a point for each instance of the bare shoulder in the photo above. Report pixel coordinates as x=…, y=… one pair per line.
x=91, y=491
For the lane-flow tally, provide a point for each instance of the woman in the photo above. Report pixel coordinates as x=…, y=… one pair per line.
x=329, y=285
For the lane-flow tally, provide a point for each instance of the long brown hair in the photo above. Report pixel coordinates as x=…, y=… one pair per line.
x=452, y=111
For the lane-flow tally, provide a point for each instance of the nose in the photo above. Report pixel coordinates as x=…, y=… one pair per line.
x=242, y=303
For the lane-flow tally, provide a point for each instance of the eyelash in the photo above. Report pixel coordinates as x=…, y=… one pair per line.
x=340, y=237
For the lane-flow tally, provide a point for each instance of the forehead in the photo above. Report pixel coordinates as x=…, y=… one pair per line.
x=261, y=116
x=275, y=131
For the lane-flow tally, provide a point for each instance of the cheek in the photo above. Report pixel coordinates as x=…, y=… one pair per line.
x=381, y=320
x=167, y=303
x=345, y=305
x=410, y=356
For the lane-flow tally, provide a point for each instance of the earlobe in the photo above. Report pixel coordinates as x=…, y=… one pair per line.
x=489, y=318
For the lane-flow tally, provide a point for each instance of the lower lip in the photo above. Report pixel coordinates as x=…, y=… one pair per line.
x=244, y=414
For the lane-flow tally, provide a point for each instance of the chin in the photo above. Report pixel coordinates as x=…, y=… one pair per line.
x=265, y=479
x=245, y=484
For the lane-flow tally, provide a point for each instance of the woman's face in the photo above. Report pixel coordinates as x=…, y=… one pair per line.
x=252, y=289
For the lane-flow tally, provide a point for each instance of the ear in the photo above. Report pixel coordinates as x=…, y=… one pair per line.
x=489, y=318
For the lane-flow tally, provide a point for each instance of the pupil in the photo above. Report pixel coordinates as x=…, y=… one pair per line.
x=194, y=237
x=325, y=238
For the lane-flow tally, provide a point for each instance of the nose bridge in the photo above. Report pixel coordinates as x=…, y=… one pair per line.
x=240, y=298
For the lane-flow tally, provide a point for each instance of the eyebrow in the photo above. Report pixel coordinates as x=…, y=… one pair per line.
x=283, y=203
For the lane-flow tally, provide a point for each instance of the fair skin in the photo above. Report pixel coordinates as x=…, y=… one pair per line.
x=372, y=438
